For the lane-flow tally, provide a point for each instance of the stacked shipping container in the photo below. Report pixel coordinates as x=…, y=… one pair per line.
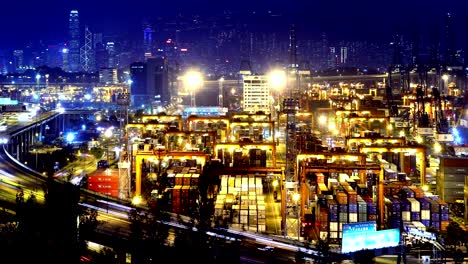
x=413, y=206
x=241, y=200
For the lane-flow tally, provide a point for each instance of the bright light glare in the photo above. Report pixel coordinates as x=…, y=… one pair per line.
x=445, y=77
x=275, y=183
x=296, y=197
x=425, y=188
x=193, y=79
x=136, y=200
x=277, y=79
x=70, y=137
x=402, y=133
x=322, y=120
x=419, y=139
x=87, y=97
x=108, y=133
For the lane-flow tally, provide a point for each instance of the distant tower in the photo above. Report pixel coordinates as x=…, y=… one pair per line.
x=74, y=42
x=111, y=59
x=148, y=41
x=449, y=41
x=87, y=53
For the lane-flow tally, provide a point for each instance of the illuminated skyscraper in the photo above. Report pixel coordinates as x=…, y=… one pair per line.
x=148, y=41
x=74, y=42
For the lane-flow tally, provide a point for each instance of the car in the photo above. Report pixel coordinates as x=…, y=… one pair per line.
x=266, y=248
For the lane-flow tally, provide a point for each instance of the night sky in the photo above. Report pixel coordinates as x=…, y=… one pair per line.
x=24, y=20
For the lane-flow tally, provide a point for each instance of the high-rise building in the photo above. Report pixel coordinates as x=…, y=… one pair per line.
x=108, y=76
x=74, y=42
x=111, y=58
x=343, y=55
x=256, y=94
x=158, y=79
x=97, y=40
x=138, y=90
x=18, y=59
x=87, y=53
x=148, y=41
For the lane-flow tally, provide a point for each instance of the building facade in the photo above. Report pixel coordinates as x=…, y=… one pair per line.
x=74, y=42
x=256, y=94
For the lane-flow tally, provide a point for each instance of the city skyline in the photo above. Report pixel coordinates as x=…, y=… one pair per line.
x=363, y=20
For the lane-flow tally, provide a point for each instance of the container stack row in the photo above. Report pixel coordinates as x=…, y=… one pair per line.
x=184, y=199
x=412, y=206
x=241, y=202
x=341, y=201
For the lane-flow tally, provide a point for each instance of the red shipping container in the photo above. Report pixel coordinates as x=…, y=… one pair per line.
x=103, y=179
x=103, y=185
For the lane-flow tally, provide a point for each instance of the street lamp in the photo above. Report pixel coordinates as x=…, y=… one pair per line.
x=192, y=81
x=277, y=80
x=107, y=134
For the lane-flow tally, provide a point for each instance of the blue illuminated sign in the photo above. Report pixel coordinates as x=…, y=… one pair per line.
x=357, y=241
x=360, y=227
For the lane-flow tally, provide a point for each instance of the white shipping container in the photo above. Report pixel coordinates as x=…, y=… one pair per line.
x=244, y=219
x=333, y=234
x=244, y=212
x=238, y=183
x=425, y=214
x=353, y=217
x=253, y=228
x=334, y=226
x=406, y=216
x=236, y=226
x=415, y=207
x=245, y=181
x=261, y=228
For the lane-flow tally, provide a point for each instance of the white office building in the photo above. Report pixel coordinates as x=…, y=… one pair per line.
x=256, y=94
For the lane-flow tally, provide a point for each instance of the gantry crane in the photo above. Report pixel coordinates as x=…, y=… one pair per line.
x=423, y=122
x=442, y=127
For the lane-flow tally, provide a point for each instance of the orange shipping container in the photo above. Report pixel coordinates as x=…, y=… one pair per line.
x=443, y=225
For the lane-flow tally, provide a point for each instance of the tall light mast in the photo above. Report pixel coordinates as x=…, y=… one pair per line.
x=291, y=219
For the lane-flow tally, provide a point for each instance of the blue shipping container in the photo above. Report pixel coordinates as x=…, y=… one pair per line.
x=424, y=203
x=426, y=223
x=343, y=208
x=435, y=217
x=405, y=205
x=444, y=217
x=415, y=216
x=333, y=217
x=353, y=208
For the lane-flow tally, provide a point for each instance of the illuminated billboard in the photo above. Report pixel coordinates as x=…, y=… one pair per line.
x=356, y=241
x=360, y=227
